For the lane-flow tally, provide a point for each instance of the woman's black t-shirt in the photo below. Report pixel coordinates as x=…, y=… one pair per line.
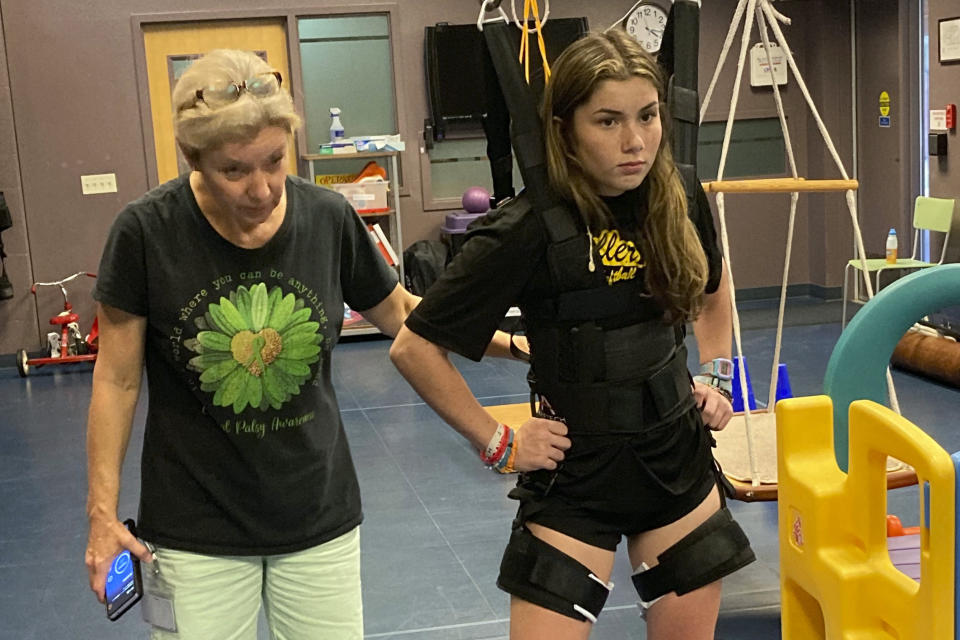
x=244, y=449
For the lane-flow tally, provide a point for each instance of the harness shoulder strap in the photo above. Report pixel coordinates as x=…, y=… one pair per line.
x=678, y=57
x=527, y=134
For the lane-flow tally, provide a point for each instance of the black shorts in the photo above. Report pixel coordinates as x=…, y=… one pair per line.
x=614, y=486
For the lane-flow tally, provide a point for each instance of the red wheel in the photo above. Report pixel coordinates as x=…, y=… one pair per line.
x=23, y=367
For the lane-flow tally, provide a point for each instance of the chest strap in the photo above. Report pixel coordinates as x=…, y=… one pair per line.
x=598, y=303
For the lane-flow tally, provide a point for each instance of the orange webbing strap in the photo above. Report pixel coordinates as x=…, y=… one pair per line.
x=528, y=7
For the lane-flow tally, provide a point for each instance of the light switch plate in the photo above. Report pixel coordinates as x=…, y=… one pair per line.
x=98, y=183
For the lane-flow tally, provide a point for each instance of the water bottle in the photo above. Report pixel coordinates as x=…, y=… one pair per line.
x=336, y=127
x=892, y=247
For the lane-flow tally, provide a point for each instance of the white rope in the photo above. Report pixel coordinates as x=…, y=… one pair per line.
x=721, y=211
x=521, y=25
x=780, y=17
x=735, y=98
x=762, y=28
x=767, y=16
x=794, y=197
x=742, y=369
x=892, y=392
x=851, y=201
x=731, y=32
x=782, y=41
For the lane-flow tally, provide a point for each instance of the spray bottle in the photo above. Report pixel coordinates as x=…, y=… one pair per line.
x=336, y=127
x=892, y=247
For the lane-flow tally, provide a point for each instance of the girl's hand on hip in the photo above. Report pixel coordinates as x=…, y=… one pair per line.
x=715, y=409
x=541, y=444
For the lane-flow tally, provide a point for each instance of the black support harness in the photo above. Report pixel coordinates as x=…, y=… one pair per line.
x=602, y=365
x=587, y=321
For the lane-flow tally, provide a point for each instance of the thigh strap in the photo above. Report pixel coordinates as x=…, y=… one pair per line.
x=543, y=575
x=716, y=548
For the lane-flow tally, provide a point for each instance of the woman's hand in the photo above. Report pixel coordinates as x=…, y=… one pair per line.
x=540, y=444
x=715, y=409
x=107, y=539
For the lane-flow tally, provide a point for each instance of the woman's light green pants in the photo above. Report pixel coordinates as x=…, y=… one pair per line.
x=307, y=595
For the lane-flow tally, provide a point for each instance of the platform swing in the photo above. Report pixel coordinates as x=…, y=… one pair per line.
x=754, y=476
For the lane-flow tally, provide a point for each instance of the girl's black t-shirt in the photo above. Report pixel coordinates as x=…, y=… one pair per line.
x=503, y=264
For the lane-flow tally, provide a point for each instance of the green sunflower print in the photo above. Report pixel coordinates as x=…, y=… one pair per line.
x=255, y=348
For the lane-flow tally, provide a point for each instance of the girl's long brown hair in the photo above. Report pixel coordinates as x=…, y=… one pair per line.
x=676, y=271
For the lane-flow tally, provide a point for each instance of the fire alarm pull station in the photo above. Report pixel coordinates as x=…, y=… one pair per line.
x=951, y=110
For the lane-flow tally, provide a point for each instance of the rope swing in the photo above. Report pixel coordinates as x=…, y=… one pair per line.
x=767, y=19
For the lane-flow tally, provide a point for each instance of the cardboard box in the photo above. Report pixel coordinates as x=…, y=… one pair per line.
x=366, y=197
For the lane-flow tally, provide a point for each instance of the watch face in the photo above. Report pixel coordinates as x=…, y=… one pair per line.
x=723, y=368
x=646, y=24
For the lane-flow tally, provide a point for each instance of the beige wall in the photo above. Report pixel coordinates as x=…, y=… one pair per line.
x=18, y=321
x=71, y=106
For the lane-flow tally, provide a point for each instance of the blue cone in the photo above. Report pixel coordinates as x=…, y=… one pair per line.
x=737, y=398
x=783, y=383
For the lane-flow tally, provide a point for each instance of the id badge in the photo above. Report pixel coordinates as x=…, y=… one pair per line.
x=158, y=611
x=157, y=602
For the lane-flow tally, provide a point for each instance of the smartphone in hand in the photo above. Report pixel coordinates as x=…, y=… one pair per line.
x=124, y=586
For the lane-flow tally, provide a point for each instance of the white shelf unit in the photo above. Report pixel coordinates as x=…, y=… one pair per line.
x=392, y=215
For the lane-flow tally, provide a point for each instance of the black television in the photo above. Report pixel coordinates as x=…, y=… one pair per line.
x=460, y=73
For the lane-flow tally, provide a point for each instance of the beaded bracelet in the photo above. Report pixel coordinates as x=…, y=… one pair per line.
x=501, y=465
x=497, y=447
x=496, y=441
x=726, y=394
x=514, y=446
x=725, y=387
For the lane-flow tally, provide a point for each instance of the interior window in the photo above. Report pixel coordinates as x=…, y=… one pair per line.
x=456, y=165
x=756, y=149
x=347, y=62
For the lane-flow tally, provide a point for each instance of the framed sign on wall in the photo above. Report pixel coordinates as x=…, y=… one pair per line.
x=949, y=40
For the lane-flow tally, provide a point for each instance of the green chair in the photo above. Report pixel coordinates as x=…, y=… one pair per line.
x=930, y=214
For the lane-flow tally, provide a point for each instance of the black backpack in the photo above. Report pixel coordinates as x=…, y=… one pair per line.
x=424, y=262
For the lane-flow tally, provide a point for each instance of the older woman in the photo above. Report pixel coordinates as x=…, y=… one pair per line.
x=228, y=283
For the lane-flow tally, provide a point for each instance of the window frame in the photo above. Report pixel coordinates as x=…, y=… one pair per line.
x=392, y=12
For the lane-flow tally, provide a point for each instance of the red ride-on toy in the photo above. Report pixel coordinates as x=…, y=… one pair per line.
x=67, y=344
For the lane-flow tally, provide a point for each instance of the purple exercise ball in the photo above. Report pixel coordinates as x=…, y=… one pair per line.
x=476, y=200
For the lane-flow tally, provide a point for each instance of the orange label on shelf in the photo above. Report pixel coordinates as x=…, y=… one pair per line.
x=335, y=178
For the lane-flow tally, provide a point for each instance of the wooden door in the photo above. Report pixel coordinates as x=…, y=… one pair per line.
x=171, y=46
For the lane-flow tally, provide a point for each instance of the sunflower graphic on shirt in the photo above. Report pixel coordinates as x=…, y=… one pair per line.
x=254, y=348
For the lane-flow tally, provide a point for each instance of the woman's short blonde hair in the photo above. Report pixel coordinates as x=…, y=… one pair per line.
x=199, y=128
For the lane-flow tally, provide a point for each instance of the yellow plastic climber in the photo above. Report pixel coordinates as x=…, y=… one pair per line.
x=836, y=577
